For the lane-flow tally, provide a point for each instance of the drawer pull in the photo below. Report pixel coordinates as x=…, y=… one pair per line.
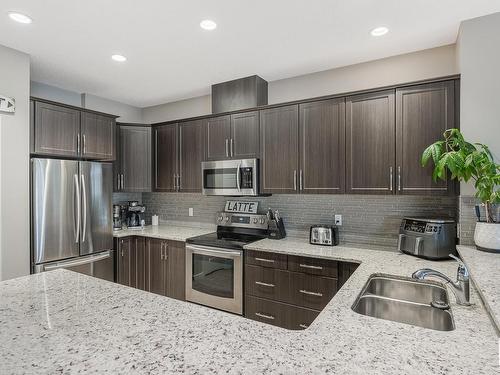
x=264, y=284
x=270, y=317
x=303, y=326
x=311, y=293
x=265, y=260
x=311, y=267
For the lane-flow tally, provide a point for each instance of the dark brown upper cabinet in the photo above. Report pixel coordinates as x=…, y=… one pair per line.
x=165, y=157
x=233, y=137
x=56, y=130
x=98, y=136
x=370, y=143
x=191, y=154
x=62, y=130
x=279, y=140
x=423, y=113
x=133, y=163
x=218, y=138
x=322, y=147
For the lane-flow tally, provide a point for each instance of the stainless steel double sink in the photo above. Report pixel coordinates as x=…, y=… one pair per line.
x=405, y=300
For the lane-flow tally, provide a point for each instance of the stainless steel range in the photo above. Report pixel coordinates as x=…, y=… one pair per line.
x=214, y=262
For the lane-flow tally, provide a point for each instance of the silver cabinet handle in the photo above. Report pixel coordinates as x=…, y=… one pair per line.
x=232, y=147
x=399, y=178
x=161, y=250
x=300, y=181
x=117, y=181
x=390, y=178
x=175, y=181
x=316, y=294
x=227, y=148
x=270, y=317
x=265, y=260
x=84, y=195
x=303, y=326
x=78, y=209
x=165, y=247
x=123, y=181
x=84, y=145
x=311, y=267
x=265, y=284
x=78, y=143
x=294, y=179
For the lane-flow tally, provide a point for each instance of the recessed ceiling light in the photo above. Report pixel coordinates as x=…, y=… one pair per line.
x=19, y=17
x=119, y=58
x=208, y=25
x=379, y=31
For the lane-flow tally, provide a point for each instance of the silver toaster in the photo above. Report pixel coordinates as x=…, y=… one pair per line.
x=324, y=235
x=429, y=238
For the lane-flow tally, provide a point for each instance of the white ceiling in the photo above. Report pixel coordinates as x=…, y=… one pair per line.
x=171, y=58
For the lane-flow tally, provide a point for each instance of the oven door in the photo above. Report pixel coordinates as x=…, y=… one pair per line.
x=230, y=177
x=214, y=277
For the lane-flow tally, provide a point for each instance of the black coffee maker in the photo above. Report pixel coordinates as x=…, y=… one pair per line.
x=135, y=215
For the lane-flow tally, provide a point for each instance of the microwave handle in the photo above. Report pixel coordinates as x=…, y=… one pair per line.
x=238, y=176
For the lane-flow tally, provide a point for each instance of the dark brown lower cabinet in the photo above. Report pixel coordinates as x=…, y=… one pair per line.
x=278, y=313
x=293, y=294
x=154, y=265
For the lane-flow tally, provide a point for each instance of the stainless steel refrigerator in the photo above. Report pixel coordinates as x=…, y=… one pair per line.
x=71, y=203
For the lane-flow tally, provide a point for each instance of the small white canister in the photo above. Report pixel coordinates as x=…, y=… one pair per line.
x=154, y=220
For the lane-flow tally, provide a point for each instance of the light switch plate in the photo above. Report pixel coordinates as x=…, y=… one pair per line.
x=191, y=211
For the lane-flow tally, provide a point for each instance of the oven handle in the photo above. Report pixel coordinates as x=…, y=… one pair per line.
x=211, y=251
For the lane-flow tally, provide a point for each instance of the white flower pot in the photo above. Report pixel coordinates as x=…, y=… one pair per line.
x=487, y=237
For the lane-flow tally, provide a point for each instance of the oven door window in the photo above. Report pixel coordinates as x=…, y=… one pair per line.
x=213, y=275
x=222, y=178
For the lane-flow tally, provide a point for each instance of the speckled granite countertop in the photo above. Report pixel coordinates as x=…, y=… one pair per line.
x=63, y=322
x=484, y=269
x=175, y=231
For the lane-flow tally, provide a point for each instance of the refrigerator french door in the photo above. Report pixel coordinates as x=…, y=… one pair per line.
x=71, y=216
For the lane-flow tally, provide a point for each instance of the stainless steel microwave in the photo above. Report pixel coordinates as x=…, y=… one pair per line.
x=230, y=177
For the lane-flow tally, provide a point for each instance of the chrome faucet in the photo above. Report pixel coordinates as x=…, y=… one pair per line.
x=460, y=288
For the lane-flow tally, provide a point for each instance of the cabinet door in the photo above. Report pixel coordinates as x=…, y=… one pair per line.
x=165, y=160
x=140, y=263
x=126, y=262
x=322, y=147
x=218, y=137
x=244, y=143
x=279, y=149
x=98, y=136
x=56, y=130
x=176, y=270
x=423, y=113
x=191, y=154
x=135, y=158
x=370, y=143
x=156, y=265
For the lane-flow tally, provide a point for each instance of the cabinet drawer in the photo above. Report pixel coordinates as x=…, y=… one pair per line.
x=267, y=283
x=265, y=259
x=315, y=266
x=278, y=313
x=311, y=291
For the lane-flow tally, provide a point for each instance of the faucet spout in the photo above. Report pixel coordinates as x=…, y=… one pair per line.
x=460, y=288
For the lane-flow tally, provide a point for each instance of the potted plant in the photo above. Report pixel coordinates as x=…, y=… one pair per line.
x=466, y=161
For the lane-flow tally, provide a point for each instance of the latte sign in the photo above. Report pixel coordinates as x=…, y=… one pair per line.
x=242, y=207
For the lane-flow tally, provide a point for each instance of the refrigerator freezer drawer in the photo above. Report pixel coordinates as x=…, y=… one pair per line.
x=101, y=265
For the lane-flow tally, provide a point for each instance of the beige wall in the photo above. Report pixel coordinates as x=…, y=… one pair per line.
x=431, y=63
x=479, y=63
x=14, y=166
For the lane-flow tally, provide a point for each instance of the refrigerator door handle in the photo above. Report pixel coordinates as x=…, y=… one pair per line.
x=84, y=196
x=78, y=262
x=78, y=209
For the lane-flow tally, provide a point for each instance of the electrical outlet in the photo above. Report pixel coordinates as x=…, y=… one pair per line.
x=191, y=211
x=338, y=220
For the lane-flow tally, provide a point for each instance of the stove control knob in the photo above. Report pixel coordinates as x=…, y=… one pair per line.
x=255, y=220
x=262, y=220
x=219, y=218
x=226, y=218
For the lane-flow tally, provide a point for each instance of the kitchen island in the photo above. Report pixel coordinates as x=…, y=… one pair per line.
x=61, y=321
